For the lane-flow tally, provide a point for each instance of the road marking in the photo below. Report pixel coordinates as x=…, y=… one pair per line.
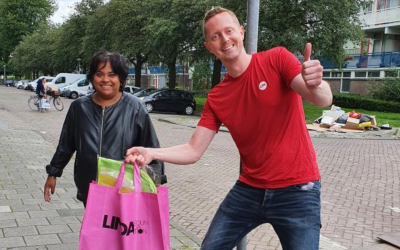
x=35, y=167
x=327, y=244
x=396, y=209
x=5, y=209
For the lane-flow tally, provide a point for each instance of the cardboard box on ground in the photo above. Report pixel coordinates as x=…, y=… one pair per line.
x=336, y=120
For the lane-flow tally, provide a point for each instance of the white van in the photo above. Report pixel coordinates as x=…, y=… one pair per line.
x=65, y=79
x=76, y=89
x=32, y=85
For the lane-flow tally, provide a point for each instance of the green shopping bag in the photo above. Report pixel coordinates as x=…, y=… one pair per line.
x=107, y=175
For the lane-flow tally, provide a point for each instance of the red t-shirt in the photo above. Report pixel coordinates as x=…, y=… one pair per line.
x=266, y=120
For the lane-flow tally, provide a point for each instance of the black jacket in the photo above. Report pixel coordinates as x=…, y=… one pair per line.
x=91, y=132
x=39, y=87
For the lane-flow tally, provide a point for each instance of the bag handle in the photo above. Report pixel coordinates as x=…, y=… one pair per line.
x=136, y=177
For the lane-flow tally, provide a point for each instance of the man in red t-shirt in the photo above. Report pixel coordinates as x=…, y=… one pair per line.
x=279, y=181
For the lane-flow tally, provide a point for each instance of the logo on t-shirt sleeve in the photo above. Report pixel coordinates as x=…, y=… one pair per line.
x=263, y=85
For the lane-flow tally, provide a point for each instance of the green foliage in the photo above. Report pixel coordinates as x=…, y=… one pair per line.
x=95, y=39
x=360, y=102
x=19, y=18
x=200, y=101
x=326, y=24
x=164, y=31
x=68, y=47
x=34, y=53
x=201, y=76
x=388, y=89
x=174, y=28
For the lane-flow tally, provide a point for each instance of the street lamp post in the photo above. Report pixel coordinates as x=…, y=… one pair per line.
x=4, y=76
x=253, y=11
x=79, y=65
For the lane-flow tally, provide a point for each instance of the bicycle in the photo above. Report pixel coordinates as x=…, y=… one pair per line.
x=33, y=101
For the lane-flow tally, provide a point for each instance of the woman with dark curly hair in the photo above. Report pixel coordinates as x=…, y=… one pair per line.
x=105, y=123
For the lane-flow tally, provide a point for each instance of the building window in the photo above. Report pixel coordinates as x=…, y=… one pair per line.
x=381, y=4
x=336, y=74
x=326, y=74
x=392, y=3
x=360, y=74
x=345, y=87
x=373, y=74
x=346, y=74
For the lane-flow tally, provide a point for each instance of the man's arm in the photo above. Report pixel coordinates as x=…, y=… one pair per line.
x=309, y=83
x=182, y=154
x=320, y=96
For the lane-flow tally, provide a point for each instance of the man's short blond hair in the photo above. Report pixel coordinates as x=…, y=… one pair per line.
x=215, y=11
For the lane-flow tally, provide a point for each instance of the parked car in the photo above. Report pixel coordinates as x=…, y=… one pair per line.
x=21, y=84
x=90, y=90
x=9, y=83
x=132, y=89
x=172, y=100
x=64, y=79
x=145, y=92
x=18, y=83
x=32, y=85
x=76, y=89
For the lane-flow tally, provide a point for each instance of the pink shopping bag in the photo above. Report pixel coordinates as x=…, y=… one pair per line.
x=122, y=221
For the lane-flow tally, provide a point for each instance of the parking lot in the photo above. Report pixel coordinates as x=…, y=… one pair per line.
x=360, y=179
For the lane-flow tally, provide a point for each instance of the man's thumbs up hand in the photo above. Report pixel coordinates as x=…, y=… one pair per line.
x=311, y=70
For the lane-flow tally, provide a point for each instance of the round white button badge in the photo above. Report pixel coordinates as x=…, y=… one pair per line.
x=262, y=85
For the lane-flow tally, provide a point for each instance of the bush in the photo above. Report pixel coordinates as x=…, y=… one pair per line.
x=201, y=77
x=359, y=102
x=388, y=89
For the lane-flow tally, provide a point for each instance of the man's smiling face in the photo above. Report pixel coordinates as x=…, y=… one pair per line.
x=224, y=37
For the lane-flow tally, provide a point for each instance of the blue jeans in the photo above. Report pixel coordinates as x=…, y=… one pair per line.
x=294, y=212
x=40, y=97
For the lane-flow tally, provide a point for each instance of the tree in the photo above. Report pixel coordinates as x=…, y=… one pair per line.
x=19, y=18
x=326, y=24
x=98, y=33
x=130, y=17
x=34, y=54
x=69, y=46
x=171, y=30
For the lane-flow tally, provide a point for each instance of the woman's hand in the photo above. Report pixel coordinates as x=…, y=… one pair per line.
x=50, y=185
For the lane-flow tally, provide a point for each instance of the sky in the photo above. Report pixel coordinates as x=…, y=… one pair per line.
x=65, y=9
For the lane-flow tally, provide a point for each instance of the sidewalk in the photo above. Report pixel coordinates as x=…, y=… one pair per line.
x=26, y=221
x=359, y=198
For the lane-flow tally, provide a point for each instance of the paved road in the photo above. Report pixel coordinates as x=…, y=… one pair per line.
x=360, y=185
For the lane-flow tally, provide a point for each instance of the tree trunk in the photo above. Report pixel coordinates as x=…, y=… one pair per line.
x=216, y=77
x=172, y=73
x=140, y=60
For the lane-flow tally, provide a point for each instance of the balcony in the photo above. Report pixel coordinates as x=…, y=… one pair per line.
x=383, y=18
x=372, y=60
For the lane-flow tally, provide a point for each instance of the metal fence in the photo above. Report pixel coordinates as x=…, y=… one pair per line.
x=371, y=60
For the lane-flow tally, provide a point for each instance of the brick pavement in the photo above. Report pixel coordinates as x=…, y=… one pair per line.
x=360, y=185
x=26, y=221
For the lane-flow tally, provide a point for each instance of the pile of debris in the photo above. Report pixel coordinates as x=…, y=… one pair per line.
x=336, y=119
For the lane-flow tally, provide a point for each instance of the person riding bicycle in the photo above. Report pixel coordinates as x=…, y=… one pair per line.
x=40, y=91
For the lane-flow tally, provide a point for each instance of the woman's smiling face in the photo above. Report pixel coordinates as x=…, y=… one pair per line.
x=106, y=82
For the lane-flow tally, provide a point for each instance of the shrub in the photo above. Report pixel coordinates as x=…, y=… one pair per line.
x=388, y=89
x=359, y=102
x=201, y=77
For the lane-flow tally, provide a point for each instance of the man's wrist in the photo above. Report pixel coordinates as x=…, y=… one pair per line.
x=52, y=176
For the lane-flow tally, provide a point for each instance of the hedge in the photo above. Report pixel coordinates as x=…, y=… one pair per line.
x=359, y=102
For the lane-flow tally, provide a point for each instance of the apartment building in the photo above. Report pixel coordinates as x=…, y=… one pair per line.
x=377, y=57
